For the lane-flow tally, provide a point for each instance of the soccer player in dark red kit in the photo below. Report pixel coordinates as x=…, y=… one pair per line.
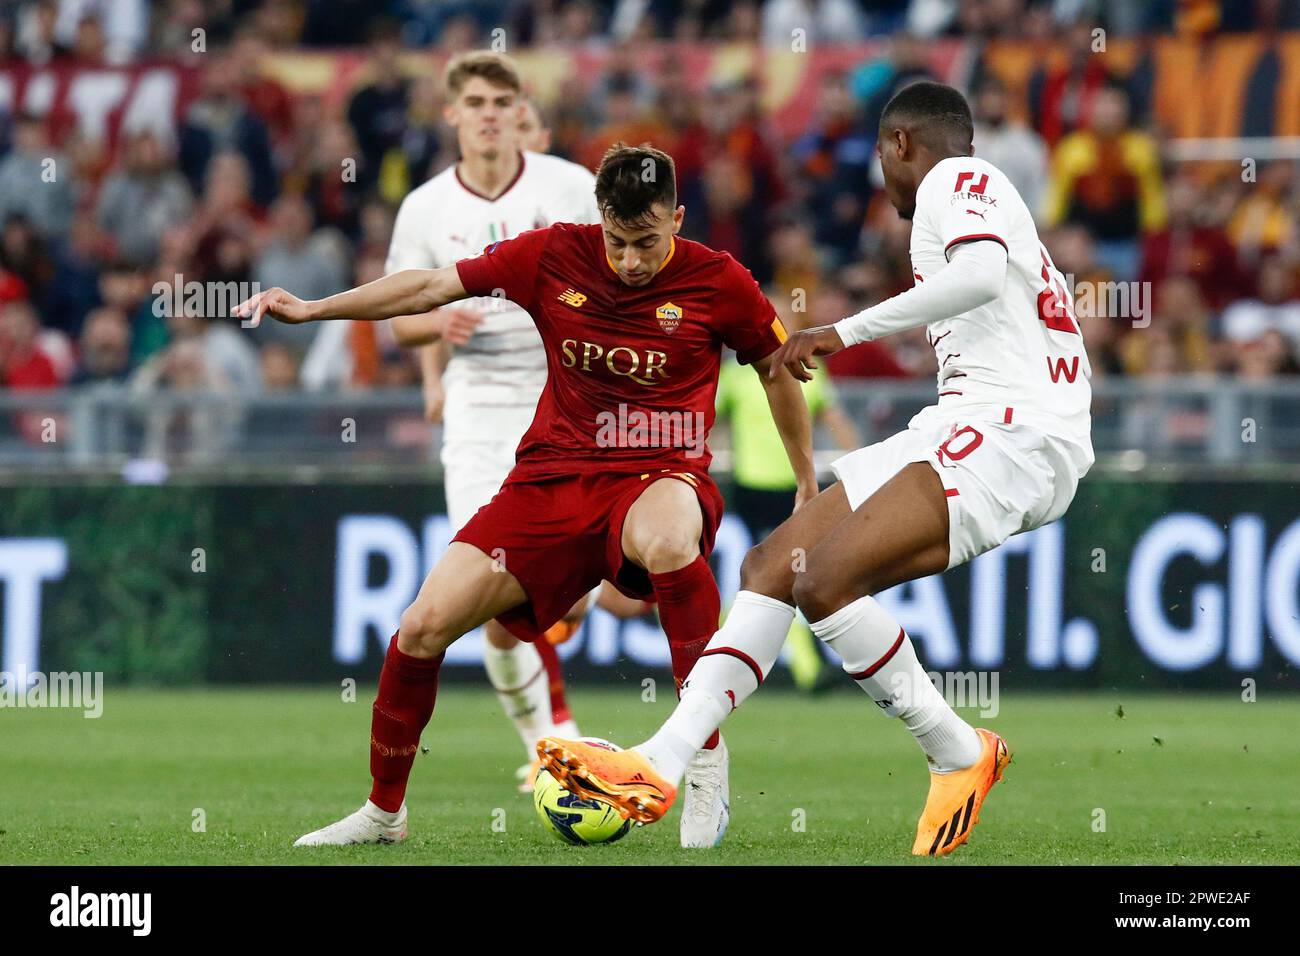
x=611, y=479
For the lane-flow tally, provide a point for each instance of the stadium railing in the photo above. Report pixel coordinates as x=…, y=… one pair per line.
x=1136, y=423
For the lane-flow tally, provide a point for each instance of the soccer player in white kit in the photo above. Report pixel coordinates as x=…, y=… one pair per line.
x=1002, y=452
x=497, y=365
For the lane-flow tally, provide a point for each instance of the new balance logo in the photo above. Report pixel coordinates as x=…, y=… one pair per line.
x=572, y=297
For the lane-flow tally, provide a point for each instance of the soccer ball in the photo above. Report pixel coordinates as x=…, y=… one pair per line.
x=573, y=819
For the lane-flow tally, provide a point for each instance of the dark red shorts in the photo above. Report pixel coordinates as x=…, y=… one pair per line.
x=560, y=537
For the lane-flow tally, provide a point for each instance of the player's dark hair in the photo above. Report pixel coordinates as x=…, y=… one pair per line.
x=937, y=114
x=631, y=179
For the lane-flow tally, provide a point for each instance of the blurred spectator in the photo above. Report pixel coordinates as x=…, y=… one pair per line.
x=1108, y=179
x=37, y=37
x=279, y=367
x=24, y=365
x=36, y=180
x=1062, y=96
x=728, y=173
x=1192, y=245
x=833, y=159
x=118, y=29
x=223, y=226
x=1265, y=221
x=1181, y=339
x=624, y=108
x=105, y=348
x=226, y=353
x=265, y=96
x=1266, y=356
x=183, y=430
x=357, y=354
x=377, y=111
x=875, y=82
x=143, y=198
x=835, y=301
x=296, y=257
x=24, y=253
x=1276, y=308
x=219, y=121
x=1008, y=144
x=73, y=288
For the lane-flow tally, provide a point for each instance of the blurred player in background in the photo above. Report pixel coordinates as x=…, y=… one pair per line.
x=611, y=480
x=1001, y=453
x=494, y=360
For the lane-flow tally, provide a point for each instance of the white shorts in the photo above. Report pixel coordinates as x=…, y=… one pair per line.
x=473, y=472
x=1001, y=479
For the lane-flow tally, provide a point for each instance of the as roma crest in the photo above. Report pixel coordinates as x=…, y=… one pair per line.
x=669, y=316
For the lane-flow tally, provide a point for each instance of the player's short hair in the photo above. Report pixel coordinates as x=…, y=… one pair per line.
x=939, y=113
x=631, y=179
x=497, y=68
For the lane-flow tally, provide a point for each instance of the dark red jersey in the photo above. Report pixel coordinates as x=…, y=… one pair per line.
x=633, y=371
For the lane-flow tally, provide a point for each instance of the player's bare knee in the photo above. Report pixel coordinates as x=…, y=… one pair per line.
x=767, y=571
x=422, y=632
x=820, y=594
x=669, y=551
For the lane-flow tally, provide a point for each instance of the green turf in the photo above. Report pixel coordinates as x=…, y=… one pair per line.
x=267, y=764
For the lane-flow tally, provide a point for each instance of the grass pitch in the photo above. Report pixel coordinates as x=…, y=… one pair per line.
x=827, y=780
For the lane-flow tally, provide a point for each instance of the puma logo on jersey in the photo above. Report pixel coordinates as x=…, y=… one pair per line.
x=572, y=298
x=972, y=212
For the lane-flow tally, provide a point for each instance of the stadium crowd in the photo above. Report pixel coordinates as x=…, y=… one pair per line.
x=250, y=189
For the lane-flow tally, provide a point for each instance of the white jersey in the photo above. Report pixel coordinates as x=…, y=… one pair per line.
x=500, y=372
x=1023, y=350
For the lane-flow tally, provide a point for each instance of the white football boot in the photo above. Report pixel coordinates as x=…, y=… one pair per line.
x=706, y=810
x=367, y=825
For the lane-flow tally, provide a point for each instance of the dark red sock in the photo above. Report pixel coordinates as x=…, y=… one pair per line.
x=689, y=606
x=555, y=677
x=408, y=687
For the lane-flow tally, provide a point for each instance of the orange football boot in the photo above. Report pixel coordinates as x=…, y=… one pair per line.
x=622, y=778
x=953, y=806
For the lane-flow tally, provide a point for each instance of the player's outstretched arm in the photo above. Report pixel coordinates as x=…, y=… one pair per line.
x=407, y=292
x=974, y=276
x=790, y=413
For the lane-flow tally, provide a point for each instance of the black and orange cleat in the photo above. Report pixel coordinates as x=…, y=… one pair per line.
x=622, y=778
x=953, y=806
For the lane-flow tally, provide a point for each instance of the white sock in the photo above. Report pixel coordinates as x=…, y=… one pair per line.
x=879, y=656
x=720, y=681
x=568, y=729
x=519, y=677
